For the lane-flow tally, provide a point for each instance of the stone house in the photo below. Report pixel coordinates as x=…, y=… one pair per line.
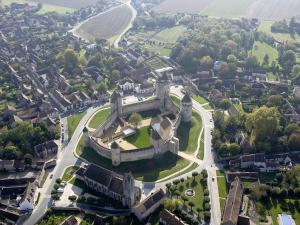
x=46, y=149
x=168, y=218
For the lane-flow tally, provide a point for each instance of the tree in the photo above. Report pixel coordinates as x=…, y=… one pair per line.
x=72, y=198
x=135, y=119
x=206, y=62
x=263, y=123
x=11, y=152
x=294, y=141
x=103, y=87
x=275, y=100
x=266, y=60
x=115, y=76
x=191, y=204
x=184, y=198
x=28, y=159
x=194, y=174
x=71, y=60
x=198, y=211
x=225, y=104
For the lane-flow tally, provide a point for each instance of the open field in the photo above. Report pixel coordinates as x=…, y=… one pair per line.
x=144, y=170
x=222, y=188
x=105, y=25
x=261, y=49
x=75, y=4
x=266, y=9
x=46, y=7
x=265, y=26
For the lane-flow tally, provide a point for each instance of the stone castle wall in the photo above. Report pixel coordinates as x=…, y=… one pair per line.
x=137, y=154
x=141, y=106
x=109, y=121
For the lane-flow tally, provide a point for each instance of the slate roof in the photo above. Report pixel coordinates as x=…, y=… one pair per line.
x=169, y=218
x=98, y=174
x=116, y=185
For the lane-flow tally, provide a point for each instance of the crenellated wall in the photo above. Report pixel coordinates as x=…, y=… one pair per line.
x=109, y=121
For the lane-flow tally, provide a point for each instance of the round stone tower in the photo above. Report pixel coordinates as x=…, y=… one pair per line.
x=115, y=154
x=163, y=90
x=186, y=108
x=86, y=138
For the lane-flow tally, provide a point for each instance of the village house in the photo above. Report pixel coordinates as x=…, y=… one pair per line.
x=7, y=165
x=149, y=205
x=46, y=149
x=233, y=203
x=168, y=218
x=26, y=202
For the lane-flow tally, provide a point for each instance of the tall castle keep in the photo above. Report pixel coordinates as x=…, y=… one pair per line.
x=162, y=129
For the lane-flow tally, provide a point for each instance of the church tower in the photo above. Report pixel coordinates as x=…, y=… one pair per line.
x=186, y=108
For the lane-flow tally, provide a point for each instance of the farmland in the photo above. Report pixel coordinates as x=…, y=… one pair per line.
x=106, y=25
x=267, y=9
x=75, y=4
x=45, y=6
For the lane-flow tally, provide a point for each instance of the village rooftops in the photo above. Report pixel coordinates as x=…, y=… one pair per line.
x=150, y=201
x=168, y=218
x=233, y=203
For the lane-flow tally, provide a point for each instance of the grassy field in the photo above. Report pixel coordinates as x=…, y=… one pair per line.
x=163, y=41
x=222, y=188
x=106, y=25
x=99, y=118
x=201, y=100
x=188, y=134
x=265, y=26
x=141, y=139
x=187, y=170
x=267, y=9
x=46, y=7
x=69, y=172
x=261, y=49
x=76, y=4
x=197, y=186
x=144, y=170
x=201, y=149
x=73, y=122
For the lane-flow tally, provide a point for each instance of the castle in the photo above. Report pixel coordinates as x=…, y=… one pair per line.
x=108, y=137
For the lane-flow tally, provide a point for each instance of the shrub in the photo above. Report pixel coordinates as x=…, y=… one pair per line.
x=58, y=181
x=206, y=199
x=207, y=206
x=206, y=192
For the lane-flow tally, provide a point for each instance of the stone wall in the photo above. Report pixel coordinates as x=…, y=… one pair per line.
x=137, y=154
x=141, y=106
x=109, y=121
x=101, y=150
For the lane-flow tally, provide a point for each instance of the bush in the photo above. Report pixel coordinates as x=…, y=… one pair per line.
x=56, y=186
x=207, y=216
x=207, y=206
x=58, y=181
x=206, y=192
x=206, y=199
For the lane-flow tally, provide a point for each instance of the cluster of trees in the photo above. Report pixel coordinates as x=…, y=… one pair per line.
x=154, y=22
x=283, y=26
x=213, y=39
x=18, y=143
x=176, y=205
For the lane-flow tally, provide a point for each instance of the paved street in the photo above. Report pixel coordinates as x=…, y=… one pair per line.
x=67, y=158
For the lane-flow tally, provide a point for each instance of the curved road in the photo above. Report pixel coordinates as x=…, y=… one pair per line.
x=67, y=158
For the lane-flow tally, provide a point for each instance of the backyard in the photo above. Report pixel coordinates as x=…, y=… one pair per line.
x=188, y=134
x=73, y=122
x=99, y=118
x=144, y=170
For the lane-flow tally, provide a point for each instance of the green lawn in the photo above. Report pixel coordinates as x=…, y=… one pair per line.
x=176, y=100
x=198, y=187
x=45, y=7
x=188, y=133
x=201, y=149
x=99, y=118
x=69, y=173
x=201, y=100
x=260, y=49
x=222, y=188
x=265, y=27
x=187, y=170
x=141, y=139
x=144, y=170
x=73, y=122
x=271, y=76
x=278, y=206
